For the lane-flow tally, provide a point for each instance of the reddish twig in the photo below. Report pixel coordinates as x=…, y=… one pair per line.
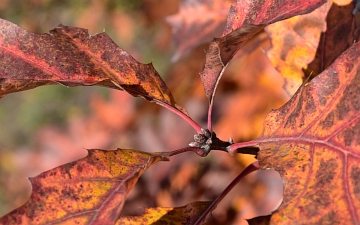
x=251, y=168
x=185, y=117
x=209, y=119
x=200, y=151
x=249, y=147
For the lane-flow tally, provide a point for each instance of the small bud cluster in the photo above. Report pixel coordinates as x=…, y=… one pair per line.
x=202, y=140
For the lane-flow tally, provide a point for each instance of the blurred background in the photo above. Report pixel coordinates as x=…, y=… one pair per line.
x=50, y=126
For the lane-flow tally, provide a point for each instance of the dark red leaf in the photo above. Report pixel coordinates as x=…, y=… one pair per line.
x=72, y=57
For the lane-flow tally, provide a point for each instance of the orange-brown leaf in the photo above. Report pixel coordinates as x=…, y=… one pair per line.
x=341, y=33
x=294, y=43
x=311, y=42
x=70, y=56
x=160, y=215
x=91, y=190
x=314, y=143
x=198, y=22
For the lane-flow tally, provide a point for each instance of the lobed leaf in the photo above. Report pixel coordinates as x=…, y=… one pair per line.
x=244, y=21
x=72, y=57
x=176, y=216
x=91, y=190
x=314, y=143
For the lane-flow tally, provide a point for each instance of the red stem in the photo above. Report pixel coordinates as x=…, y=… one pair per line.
x=191, y=122
x=251, y=168
x=200, y=151
x=209, y=122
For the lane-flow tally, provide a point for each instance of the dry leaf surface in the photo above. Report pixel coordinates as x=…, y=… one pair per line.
x=91, y=190
x=314, y=143
x=70, y=56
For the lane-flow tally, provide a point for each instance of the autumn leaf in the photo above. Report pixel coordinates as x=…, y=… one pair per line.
x=266, y=12
x=310, y=43
x=70, y=56
x=294, y=44
x=198, y=22
x=220, y=52
x=180, y=215
x=91, y=190
x=340, y=34
x=244, y=21
x=314, y=143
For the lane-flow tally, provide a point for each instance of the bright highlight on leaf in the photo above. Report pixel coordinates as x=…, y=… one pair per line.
x=91, y=190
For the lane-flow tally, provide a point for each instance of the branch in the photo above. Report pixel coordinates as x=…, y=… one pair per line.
x=249, y=147
x=200, y=151
x=185, y=117
x=251, y=168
